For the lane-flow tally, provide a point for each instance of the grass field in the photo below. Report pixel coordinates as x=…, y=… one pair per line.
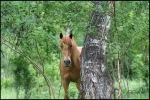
x=136, y=88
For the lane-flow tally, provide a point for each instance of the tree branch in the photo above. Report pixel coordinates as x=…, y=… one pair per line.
x=32, y=62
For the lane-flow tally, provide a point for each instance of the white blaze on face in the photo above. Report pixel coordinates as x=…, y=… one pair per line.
x=66, y=53
x=67, y=58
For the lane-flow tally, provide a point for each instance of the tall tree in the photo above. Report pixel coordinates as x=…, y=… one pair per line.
x=96, y=82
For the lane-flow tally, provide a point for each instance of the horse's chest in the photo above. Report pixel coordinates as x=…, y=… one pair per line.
x=72, y=75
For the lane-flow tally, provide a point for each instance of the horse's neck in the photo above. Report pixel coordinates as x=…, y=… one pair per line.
x=75, y=56
x=75, y=50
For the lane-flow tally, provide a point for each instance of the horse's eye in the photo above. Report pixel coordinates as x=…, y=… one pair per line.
x=70, y=46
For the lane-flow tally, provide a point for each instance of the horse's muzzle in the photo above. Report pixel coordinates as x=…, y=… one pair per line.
x=67, y=63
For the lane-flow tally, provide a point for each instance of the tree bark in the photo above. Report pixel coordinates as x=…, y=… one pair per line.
x=96, y=82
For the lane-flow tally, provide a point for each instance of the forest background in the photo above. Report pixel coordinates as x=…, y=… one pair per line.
x=34, y=27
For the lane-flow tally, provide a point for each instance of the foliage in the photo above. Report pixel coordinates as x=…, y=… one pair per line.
x=132, y=88
x=136, y=89
x=139, y=69
x=23, y=74
x=7, y=83
x=129, y=35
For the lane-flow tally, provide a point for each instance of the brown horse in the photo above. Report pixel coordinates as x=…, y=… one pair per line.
x=70, y=64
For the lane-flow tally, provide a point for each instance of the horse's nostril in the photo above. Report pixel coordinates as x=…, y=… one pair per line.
x=67, y=62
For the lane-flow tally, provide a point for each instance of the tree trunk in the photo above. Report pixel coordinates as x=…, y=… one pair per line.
x=96, y=82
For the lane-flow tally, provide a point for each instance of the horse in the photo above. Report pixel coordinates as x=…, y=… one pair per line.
x=70, y=63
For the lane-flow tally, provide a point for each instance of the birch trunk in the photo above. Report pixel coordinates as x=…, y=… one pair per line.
x=96, y=82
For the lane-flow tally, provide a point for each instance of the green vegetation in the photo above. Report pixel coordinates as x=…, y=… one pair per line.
x=136, y=89
x=34, y=27
x=132, y=89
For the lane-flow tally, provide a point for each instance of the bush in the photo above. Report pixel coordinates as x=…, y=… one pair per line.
x=139, y=69
x=7, y=83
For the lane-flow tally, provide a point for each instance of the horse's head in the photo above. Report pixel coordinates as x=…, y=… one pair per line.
x=67, y=45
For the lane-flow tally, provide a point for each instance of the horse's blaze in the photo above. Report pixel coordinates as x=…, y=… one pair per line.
x=70, y=64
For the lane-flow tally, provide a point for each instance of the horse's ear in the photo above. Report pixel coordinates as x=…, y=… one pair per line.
x=61, y=35
x=71, y=35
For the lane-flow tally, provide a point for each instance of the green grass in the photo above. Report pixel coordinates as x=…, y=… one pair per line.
x=10, y=93
x=73, y=91
x=41, y=93
x=136, y=88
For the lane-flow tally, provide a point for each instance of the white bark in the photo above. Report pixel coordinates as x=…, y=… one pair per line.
x=96, y=82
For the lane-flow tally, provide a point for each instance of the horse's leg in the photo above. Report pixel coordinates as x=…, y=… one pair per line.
x=65, y=86
x=78, y=85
